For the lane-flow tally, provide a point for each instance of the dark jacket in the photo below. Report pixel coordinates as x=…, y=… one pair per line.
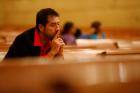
x=23, y=46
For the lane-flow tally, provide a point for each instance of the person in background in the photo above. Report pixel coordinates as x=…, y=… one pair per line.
x=42, y=40
x=68, y=33
x=77, y=33
x=96, y=32
x=84, y=35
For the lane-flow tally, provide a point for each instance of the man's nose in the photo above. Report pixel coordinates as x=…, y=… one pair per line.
x=57, y=27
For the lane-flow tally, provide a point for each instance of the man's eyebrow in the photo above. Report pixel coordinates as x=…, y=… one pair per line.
x=55, y=22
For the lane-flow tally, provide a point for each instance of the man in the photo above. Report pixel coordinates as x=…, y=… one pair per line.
x=43, y=40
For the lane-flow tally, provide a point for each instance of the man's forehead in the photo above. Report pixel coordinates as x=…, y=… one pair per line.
x=53, y=19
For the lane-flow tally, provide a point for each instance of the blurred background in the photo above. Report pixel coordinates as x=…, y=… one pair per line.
x=119, y=18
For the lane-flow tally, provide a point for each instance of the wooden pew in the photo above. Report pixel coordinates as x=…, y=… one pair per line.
x=96, y=74
x=128, y=44
x=4, y=46
x=2, y=54
x=8, y=36
x=3, y=50
x=97, y=44
x=107, y=43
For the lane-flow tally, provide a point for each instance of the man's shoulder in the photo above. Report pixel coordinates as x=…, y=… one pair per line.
x=27, y=35
x=28, y=32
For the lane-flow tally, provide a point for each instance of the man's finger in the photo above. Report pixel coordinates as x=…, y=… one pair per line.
x=57, y=35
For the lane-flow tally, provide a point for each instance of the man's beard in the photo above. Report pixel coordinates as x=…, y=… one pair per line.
x=50, y=37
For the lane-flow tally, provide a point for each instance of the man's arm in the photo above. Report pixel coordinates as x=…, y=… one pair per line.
x=18, y=49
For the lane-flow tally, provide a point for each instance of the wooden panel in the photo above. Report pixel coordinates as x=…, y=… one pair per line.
x=118, y=13
x=41, y=76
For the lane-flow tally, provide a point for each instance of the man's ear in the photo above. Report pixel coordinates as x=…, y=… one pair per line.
x=41, y=27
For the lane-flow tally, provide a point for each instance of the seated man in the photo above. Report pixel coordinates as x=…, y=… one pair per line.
x=42, y=40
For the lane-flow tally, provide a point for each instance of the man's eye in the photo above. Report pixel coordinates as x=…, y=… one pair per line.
x=58, y=23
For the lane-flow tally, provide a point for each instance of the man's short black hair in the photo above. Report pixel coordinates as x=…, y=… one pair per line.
x=42, y=16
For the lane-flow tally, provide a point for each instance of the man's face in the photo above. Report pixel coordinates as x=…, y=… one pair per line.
x=52, y=27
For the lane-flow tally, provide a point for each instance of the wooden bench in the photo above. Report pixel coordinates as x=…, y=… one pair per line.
x=93, y=76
